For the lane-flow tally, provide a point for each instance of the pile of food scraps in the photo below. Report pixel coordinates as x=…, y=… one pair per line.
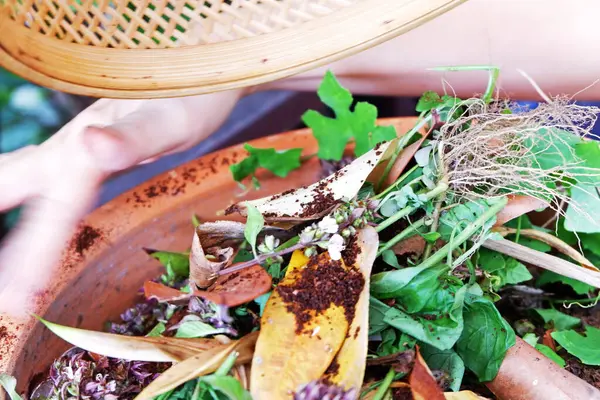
x=410, y=271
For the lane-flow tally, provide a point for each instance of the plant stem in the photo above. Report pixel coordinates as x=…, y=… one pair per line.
x=227, y=364
x=260, y=259
x=402, y=142
x=408, y=232
x=465, y=234
x=434, y=228
x=439, y=189
x=393, y=186
x=385, y=385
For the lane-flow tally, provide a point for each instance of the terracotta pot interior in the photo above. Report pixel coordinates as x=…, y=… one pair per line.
x=100, y=287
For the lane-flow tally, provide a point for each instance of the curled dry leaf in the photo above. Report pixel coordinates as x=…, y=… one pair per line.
x=351, y=358
x=318, y=199
x=151, y=349
x=403, y=160
x=203, y=272
x=230, y=290
x=231, y=233
x=526, y=374
x=422, y=383
x=200, y=364
x=518, y=205
x=548, y=340
x=293, y=350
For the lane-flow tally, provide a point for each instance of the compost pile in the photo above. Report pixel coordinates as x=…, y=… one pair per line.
x=409, y=271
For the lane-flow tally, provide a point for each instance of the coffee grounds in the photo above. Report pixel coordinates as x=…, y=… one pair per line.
x=320, y=284
x=352, y=250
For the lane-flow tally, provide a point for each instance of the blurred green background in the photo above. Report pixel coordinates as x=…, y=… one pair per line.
x=29, y=114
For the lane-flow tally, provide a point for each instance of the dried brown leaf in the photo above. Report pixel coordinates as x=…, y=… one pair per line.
x=422, y=383
x=518, y=205
x=200, y=364
x=316, y=200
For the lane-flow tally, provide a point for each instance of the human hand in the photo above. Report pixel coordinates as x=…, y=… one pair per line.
x=58, y=180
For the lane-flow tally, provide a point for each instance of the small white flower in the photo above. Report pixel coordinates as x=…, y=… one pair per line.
x=328, y=225
x=335, y=246
x=307, y=235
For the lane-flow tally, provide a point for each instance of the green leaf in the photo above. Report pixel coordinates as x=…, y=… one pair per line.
x=9, y=384
x=254, y=224
x=548, y=352
x=531, y=339
x=583, y=347
x=431, y=237
x=513, y=273
x=587, y=200
x=430, y=100
x=559, y=320
x=553, y=153
x=393, y=342
x=547, y=277
x=242, y=256
x=275, y=270
x=391, y=259
x=157, y=330
x=485, y=339
x=179, y=263
x=195, y=328
x=262, y=302
x=377, y=311
x=333, y=134
x=509, y=270
x=462, y=215
x=387, y=285
x=445, y=360
x=429, y=312
x=589, y=152
x=280, y=163
x=195, y=221
x=227, y=385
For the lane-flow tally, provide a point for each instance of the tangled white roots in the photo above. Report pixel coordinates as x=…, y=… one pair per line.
x=488, y=152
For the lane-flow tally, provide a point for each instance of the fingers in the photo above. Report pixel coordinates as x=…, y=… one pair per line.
x=18, y=177
x=35, y=246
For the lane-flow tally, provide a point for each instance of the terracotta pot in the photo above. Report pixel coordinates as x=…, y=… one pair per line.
x=105, y=264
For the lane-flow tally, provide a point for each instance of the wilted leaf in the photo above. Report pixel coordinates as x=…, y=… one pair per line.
x=230, y=290
x=403, y=159
x=9, y=384
x=296, y=349
x=203, y=271
x=352, y=356
x=153, y=349
x=518, y=205
x=239, y=287
x=199, y=365
x=317, y=199
x=422, y=383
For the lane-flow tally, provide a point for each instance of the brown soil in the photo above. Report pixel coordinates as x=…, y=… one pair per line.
x=321, y=283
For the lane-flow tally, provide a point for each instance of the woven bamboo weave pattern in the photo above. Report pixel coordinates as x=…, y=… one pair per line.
x=160, y=24
x=168, y=48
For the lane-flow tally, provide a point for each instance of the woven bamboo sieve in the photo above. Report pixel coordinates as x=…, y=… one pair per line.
x=165, y=48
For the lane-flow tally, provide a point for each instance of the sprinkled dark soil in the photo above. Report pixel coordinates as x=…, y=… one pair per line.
x=321, y=283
